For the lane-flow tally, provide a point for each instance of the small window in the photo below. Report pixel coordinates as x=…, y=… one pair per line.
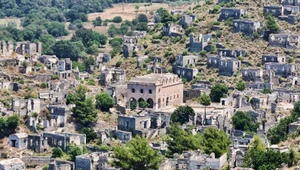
x=150, y=91
x=133, y=90
x=142, y=90
x=177, y=95
x=158, y=90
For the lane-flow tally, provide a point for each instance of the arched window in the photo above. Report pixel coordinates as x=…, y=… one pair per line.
x=142, y=90
x=133, y=90
x=150, y=91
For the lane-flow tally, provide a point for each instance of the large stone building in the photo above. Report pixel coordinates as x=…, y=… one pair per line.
x=158, y=90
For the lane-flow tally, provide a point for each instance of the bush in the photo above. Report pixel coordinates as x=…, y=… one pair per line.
x=118, y=64
x=216, y=9
x=255, y=35
x=57, y=153
x=218, y=33
x=43, y=85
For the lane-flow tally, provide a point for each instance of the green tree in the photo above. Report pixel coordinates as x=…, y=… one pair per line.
x=104, y=101
x=142, y=18
x=117, y=19
x=84, y=111
x=66, y=49
x=56, y=29
x=90, y=133
x=257, y=157
x=57, y=153
x=183, y=114
x=182, y=140
x=73, y=152
x=97, y=21
x=205, y=101
x=271, y=25
x=240, y=85
x=137, y=154
x=218, y=91
x=215, y=141
x=243, y=121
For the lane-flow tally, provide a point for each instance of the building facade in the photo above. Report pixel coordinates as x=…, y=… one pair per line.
x=158, y=90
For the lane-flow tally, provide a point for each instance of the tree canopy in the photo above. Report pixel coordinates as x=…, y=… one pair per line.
x=104, y=101
x=271, y=25
x=280, y=131
x=85, y=111
x=8, y=125
x=215, y=141
x=243, y=121
x=257, y=157
x=218, y=91
x=137, y=154
x=183, y=114
x=182, y=140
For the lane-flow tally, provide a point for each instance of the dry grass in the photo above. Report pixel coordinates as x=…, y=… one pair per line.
x=126, y=11
x=7, y=20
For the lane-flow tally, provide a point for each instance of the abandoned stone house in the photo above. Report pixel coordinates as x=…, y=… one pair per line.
x=139, y=34
x=231, y=53
x=112, y=75
x=6, y=49
x=28, y=48
x=12, y=164
x=56, y=164
x=187, y=20
x=130, y=45
x=289, y=41
x=290, y=10
x=247, y=27
x=37, y=143
x=95, y=160
x=196, y=160
x=227, y=13
x=64, y=65
x=252, y=74
x=18, y=140
x=128, y=49
x=227, y=66
x=294, y=126
x=101, y=59
x=199, y=44
x=273, y=59
x=184, y=67
x=172, y=30
x=63, y=140
x=147, y=125
x=50, y=61
x=290, y=2
x=23, y=106
x=281, y=69
x=59, y=114
x=276, y=11
x=158, y=90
